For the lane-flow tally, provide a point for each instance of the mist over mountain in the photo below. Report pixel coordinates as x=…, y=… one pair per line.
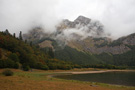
x=83, y=34
x=81, y=28
x=117, y=16
x=66, y=31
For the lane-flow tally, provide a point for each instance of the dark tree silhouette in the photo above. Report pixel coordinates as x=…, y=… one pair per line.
x=0, y=53
x=7, y=32
x=31, y=43
x=20, y=35
x=14, y=35
x=51, y=53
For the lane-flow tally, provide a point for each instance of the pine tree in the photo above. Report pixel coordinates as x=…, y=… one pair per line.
x=7, y=32
x=0, y=53
x=25, y=41
x=31, y=43
x=14, y=35
x=20, y=35
x=51, y=53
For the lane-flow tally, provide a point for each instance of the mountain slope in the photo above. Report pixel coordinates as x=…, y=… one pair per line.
x=78, y=57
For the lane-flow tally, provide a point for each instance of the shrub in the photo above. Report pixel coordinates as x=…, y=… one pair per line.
x=45, y=67
x=0, y=53
x=26, y=67
x=52, y=66
x=7, y=63
x=14, y=57
x=16, y=65
x=7, y=72
x=42, y=66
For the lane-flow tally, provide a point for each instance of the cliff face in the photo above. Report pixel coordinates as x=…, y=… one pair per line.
x=101, y=46
x=129, y=40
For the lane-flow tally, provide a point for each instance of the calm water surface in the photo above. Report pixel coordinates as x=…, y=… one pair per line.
x=117, y=78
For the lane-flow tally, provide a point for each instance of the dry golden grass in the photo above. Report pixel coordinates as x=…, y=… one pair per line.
x=22, y=82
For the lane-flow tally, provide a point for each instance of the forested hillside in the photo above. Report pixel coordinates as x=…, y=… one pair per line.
x=70, y=54
x=83, y=58
x=16, y=53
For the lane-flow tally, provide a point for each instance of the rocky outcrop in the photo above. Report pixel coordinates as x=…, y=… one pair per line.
x=102, y=45
x=129, y=40
x=113, y=50
x=85, y=24
x=46, y=43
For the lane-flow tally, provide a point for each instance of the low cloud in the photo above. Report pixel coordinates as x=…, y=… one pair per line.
x=117, y=16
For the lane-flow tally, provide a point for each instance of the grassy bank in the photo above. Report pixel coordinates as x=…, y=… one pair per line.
x=42, y=80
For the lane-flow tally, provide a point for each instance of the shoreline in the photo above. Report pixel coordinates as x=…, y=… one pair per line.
x=92, y=72
x=86, y=72
x=102, y=71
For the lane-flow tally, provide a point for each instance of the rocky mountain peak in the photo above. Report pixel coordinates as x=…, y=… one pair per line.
x=82, y=20
x=85, y=25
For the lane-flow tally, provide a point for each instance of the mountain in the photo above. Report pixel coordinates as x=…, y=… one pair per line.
x=86, y=25
x=83, y=41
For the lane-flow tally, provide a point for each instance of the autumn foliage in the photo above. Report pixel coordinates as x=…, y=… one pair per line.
x=19, y=54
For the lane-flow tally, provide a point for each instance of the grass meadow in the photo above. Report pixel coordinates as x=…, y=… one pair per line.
x=43, y=80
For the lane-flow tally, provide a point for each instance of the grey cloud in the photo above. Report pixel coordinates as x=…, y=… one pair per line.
x=117, y=16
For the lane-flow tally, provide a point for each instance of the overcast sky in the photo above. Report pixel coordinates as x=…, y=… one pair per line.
x=117, y=16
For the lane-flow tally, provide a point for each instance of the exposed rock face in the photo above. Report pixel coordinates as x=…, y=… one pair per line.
x=130, y=40
x=103, y=45
x=90, y=46
x=85, y=24
x=114, y=50
x=83, y=20
x=46, y=43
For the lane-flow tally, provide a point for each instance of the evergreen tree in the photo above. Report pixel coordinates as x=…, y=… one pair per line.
x=51, y=53
x=20, y=35
x=25, y=41
x=31, y=43
x=14, y=35
x=14, y=57
x=0, y=53
x=7, y=32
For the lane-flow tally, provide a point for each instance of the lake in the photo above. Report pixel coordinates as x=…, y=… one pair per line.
x=117, y=78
